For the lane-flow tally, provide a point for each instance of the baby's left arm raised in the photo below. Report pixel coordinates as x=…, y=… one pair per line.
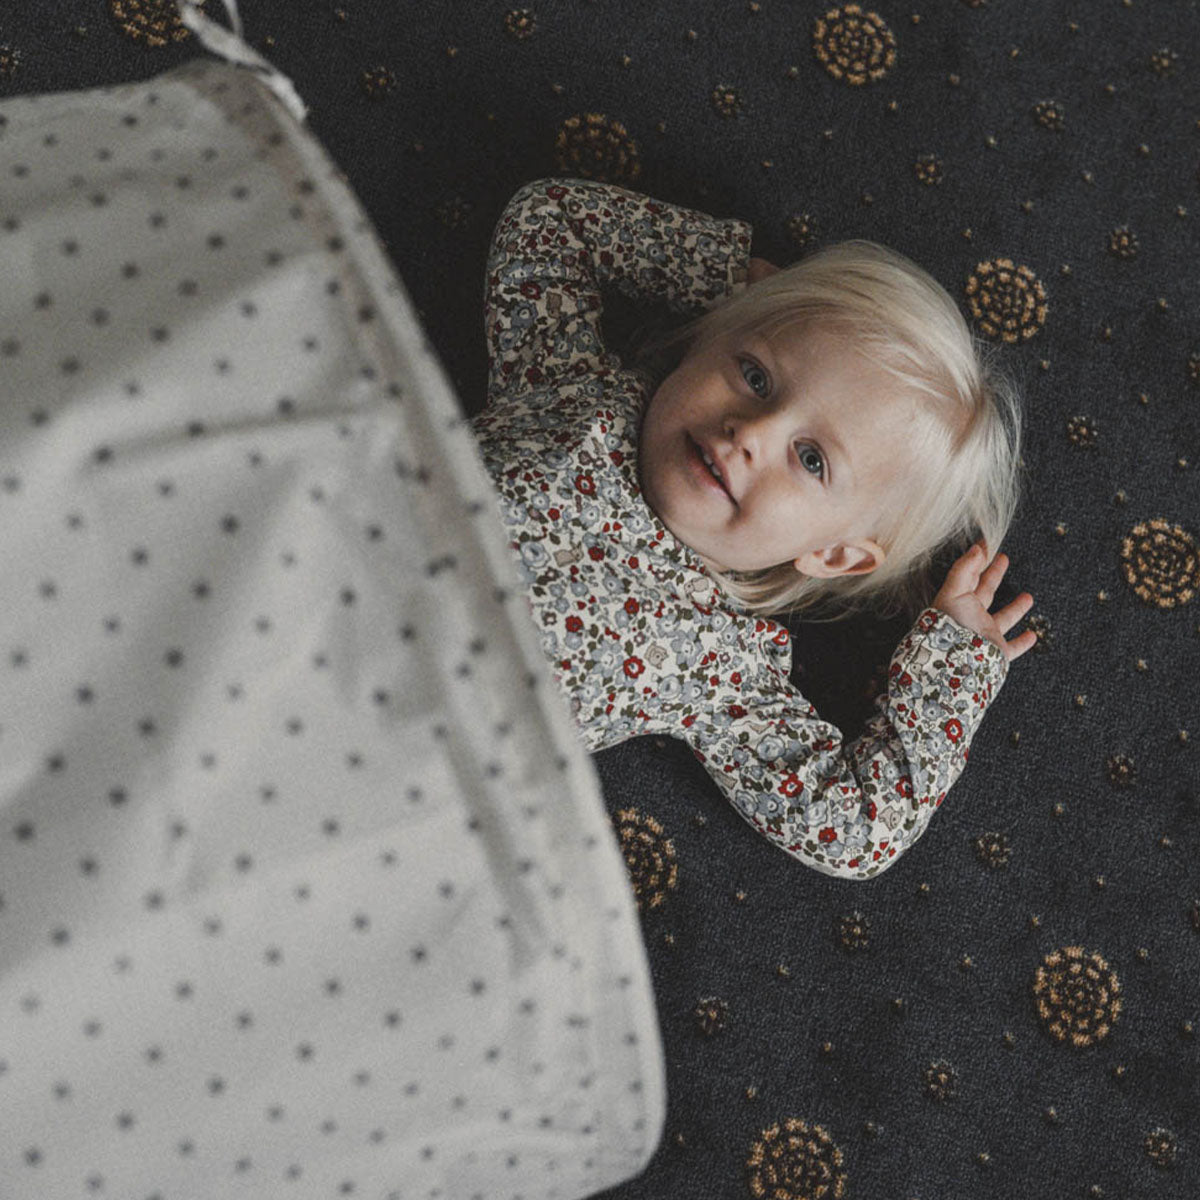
x=559, y=242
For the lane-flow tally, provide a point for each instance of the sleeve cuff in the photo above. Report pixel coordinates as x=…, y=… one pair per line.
x=939, y=631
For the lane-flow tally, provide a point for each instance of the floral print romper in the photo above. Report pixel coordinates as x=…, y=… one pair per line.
x=641, y=639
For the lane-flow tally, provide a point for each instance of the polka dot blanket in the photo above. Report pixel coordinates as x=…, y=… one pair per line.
x=306, y=887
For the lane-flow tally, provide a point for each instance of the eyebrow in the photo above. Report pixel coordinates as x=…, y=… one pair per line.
x=828, y=437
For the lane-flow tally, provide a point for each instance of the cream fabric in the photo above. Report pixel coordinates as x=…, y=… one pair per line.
x=306, y=886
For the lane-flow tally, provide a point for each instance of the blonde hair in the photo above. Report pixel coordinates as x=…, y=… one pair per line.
x=900, y=318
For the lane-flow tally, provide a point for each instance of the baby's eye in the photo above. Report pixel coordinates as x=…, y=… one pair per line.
x=752, y=371
x=810, y=458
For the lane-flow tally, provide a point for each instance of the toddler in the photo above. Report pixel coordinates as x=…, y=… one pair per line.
x=827, y=429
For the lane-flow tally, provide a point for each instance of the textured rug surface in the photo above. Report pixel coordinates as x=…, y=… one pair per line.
x=1011, y=1010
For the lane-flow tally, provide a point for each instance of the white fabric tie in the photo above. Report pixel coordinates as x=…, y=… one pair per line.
x=233, y=49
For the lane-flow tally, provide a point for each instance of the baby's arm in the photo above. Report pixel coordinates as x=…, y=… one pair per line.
x=559, y=241
x=852, y=808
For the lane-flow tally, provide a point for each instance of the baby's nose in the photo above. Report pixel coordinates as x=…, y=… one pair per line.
x=750, y=434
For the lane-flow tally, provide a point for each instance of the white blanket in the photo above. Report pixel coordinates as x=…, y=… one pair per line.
x=306, y=888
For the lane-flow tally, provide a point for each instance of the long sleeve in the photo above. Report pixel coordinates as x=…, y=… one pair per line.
x=851, y=808
x=560, y=241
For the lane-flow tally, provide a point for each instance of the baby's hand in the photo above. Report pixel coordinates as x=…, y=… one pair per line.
x=759, y=268
x=968, y=592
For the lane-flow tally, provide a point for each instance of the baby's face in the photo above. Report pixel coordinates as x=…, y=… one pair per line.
x=809, y=438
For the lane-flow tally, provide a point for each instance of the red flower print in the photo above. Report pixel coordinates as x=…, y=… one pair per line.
x=871, y=811
x=791, y=786
x=954, y=729
x=596, y=554
x=634, y=666
x=532, y=290
x=827, y=835
x=904, y=786
x=585, y=484
x=736, y=710
x=553, y=514
x=955, y=683
x=574, y=625
x=617, y=457
x=736, y=679
x=632, y=606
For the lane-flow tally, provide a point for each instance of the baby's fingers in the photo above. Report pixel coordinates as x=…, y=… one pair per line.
x=963, y=576
x=1012, y=612
x=1019, y=644
x=989, y=581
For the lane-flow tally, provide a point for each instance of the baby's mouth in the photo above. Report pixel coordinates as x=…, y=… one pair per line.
x=706, y=461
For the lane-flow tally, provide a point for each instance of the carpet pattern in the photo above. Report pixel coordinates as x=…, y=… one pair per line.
x=1010, y=1010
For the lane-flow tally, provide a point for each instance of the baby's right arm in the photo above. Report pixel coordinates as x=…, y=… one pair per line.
x=560, y=240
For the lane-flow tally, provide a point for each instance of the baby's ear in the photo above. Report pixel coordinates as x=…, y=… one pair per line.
x=859, y=557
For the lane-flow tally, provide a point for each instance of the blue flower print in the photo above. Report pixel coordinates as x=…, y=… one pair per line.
x=533, y=555
x=770, y=748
